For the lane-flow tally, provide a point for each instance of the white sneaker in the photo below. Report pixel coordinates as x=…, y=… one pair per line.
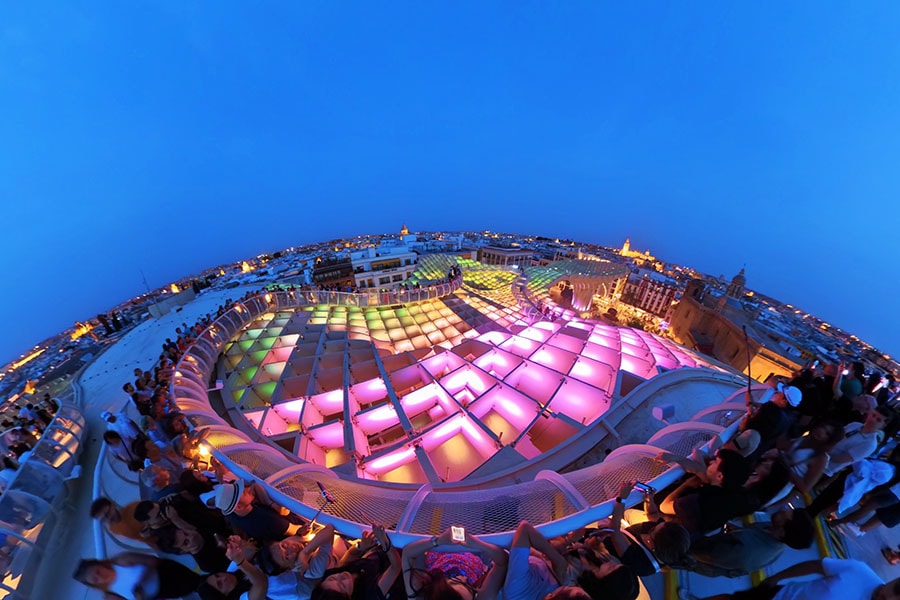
x=852, y=529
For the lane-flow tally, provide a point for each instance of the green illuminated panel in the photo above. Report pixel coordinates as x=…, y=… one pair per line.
x=275, y=369
x=266, y=342
x=265, y=390
x=251, y=334
x=252, y=398
x=248, y=373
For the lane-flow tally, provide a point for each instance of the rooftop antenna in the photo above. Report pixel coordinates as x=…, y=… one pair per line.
x=144, y=277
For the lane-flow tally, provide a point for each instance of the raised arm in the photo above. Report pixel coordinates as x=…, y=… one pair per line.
x=411, y=555
x=358, y=550
x=492, y=584
x=691, y=466
x=324, y=539
x=240, y=552
x=393, y=571
x=527, y=536
x=838, y=379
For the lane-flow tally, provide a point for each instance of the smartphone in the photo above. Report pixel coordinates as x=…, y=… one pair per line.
x=325, y=494
x=643, y=487
x=458, y=534
x=845, y=372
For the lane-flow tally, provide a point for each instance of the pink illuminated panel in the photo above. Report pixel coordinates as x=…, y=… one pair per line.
x=555, y=358
x=330, y=435
x=463, y=392
x=579, y=402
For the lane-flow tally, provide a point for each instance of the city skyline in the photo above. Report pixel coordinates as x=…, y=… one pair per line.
x=168, y=139
x=482, y=237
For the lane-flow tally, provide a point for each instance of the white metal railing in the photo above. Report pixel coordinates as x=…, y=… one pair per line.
x=34, y=503
x=298, y=297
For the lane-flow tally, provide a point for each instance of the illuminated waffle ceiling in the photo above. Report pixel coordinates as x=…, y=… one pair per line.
x=431, y=391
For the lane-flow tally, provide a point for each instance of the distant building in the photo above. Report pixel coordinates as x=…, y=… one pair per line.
x=331, y=270
x=715, y=324
x=383, y=266
x=507, y=257
x=651, y=292
x=640, y=257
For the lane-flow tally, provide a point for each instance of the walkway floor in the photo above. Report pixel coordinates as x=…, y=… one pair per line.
x=102, y=390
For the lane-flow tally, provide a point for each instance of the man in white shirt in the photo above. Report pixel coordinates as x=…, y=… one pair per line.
x=860, y=442
x=839, y=579
x=121, y=424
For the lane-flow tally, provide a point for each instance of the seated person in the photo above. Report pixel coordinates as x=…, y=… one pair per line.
x=706, y=501
x=119, y=520
x=642, y=547
x=770, y=477
x=156, y=483
x=774, y=419
x=202, y=545
x=248, y=508
x=294, y=553
x=742, y=551
x=196, y=482
x=133, y=575
x=124, y=426
x=880, y=507
x=372, y=577
x=431, y=567
x=120, y=450
x=27, y=414
x=249, y=583
x=533, y=577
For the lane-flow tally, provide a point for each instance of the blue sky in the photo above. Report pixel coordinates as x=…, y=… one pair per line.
x=170, y=137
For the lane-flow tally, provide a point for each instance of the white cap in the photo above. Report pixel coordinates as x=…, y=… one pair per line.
x=791, y=394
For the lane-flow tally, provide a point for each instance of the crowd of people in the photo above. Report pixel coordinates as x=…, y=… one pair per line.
x=816, y=436
x=20, y=433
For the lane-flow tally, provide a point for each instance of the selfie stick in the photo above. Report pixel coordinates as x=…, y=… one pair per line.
x=747, y=346
x=328, y=500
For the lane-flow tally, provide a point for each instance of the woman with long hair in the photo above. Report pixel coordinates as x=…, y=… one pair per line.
x=443, y=568
x=808, y=456
x=367, y=578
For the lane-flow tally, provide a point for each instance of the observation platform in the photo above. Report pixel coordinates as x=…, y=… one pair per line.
x=467, y=375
